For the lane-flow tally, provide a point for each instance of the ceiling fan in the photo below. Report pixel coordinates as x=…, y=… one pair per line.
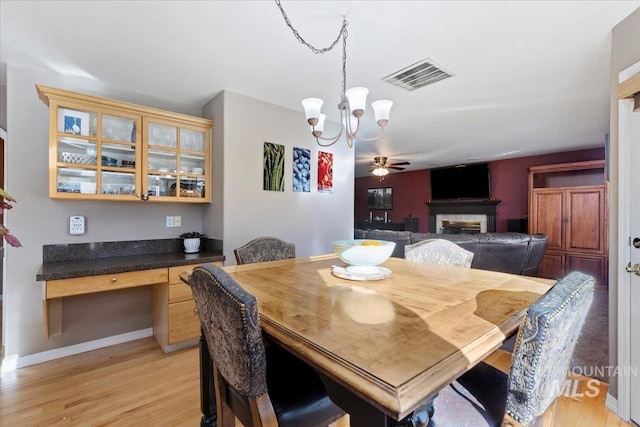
x=381, y=168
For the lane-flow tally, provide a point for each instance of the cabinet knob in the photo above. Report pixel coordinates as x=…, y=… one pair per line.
x=114, y=279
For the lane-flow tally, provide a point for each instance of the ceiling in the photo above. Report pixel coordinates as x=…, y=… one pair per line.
x=529, y=77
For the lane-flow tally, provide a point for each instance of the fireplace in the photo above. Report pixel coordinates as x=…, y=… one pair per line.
x=462, y=216
x=456, y=226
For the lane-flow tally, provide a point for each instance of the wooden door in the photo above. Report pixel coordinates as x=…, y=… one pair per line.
x=547, y=208
x=585, y=215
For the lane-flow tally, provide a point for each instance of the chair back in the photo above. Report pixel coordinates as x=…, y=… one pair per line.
x=264, y=249
x=544, y=346
x=231, y=326
x=439, y=251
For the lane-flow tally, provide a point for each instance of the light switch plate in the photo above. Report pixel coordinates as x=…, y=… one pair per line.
x=76, y=224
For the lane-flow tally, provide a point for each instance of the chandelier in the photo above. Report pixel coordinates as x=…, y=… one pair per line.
x=352, y=103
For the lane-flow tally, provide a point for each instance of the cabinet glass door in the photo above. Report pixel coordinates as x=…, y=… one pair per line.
x=192, y=163
x=118, y=156
x=175, y=161
x=76, y=151
x=96, y=153
x=162, y=159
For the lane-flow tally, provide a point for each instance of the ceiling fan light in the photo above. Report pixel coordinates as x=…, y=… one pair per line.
x=312, y=107
x=357, y=97
x=380, y=171
x=381, y=109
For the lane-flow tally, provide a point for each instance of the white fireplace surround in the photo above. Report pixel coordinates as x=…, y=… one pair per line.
x=482, y=219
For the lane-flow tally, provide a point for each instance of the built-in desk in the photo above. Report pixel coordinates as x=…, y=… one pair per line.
x=86, y=268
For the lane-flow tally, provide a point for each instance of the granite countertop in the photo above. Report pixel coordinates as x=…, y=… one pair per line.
x=91, y=259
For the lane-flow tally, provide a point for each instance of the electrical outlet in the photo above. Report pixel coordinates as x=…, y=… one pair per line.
x=169, y=221
x=177, y=221
x=76, y=224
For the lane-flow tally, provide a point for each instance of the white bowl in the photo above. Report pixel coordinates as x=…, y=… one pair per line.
x=355, y=254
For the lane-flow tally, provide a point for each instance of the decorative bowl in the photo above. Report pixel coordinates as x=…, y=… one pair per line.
x=82, y=159
x=363, y=255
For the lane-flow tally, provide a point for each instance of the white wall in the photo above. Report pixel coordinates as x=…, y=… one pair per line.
x=310, y=220
x=37, y=220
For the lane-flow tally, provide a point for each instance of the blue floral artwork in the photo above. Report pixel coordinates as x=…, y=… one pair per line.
x=301, y=170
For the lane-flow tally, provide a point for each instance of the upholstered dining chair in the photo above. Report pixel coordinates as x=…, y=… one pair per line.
x=486, y=396
x=439, y=251
x=260, y=385
x=264, y=249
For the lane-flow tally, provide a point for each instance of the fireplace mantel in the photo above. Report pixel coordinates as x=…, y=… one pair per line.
x=462, y=207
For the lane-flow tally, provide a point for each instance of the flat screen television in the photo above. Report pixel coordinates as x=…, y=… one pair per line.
x=461, y=182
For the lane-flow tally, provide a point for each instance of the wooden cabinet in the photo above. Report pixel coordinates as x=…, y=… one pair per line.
x=568, y=203
x=175, y=321
x=101, y=149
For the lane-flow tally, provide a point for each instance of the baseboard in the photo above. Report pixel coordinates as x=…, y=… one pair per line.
x=611, y=403
x=11, y=363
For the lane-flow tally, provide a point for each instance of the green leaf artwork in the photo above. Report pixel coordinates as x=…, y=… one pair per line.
x=273, y=164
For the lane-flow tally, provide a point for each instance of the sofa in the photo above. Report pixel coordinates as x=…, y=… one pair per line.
x=509, y=252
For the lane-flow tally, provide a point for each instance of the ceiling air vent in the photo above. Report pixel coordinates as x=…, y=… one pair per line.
x=417, y=75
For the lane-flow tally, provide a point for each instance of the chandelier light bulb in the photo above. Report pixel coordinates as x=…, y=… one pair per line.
x=312, y=107
x=352, y=126
x=317, y=129
x=357, y=97
x=381, y=109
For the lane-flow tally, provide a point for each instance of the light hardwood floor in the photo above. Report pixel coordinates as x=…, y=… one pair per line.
x=135, y=384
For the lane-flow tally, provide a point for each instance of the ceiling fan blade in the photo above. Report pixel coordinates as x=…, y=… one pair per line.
x=399, y=164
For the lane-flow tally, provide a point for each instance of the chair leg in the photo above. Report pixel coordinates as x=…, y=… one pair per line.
x=207, y=393
x=225, y=416
x=341, y=422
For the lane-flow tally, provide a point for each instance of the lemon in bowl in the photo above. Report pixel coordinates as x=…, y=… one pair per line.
x=363, y=255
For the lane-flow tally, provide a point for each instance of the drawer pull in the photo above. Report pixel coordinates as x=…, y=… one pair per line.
x=114, y=279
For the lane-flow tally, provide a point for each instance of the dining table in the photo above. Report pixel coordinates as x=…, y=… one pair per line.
x=384, y=348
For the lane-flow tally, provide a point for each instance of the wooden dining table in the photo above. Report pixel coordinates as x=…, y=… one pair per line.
x=384, y=348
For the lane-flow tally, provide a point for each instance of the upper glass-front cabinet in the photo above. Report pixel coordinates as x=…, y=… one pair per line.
x=109, y=150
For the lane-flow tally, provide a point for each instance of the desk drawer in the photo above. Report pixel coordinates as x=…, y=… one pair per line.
x=175, y=271
x=104, y=282
x=179, y=292
x=184, y=323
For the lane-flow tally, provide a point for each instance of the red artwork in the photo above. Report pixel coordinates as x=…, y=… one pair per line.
x=325, y=172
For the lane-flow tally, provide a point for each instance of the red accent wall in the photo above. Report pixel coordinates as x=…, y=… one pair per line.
x=509, y=184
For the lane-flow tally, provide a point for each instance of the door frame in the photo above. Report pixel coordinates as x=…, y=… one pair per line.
x=625, y=109
x=3, y=323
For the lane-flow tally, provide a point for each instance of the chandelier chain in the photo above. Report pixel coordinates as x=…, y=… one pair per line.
x=343, y=33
